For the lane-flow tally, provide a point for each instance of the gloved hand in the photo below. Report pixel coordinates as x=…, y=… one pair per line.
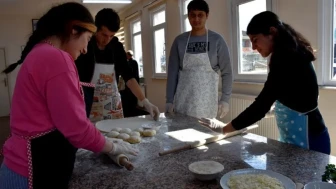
x=121, y=147
x=270, y=113
x=213, y=124
x=169, y=108
x=151, y=109
x=223, y=108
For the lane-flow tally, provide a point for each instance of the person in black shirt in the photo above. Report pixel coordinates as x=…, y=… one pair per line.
x=133, y=64
x=103, y=50
x=291, y=85
x=129, y=101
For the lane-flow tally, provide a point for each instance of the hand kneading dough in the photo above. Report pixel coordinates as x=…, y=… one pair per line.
x=112, y=134
x=123, y=136
x=134, y=139
x=126, y=130
x=149, y=133
x=135, y=133
x=118, y=129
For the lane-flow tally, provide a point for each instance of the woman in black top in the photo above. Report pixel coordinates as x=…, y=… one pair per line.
x=291, y=84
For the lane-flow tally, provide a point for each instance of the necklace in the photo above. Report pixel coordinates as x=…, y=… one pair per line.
x=48, y=42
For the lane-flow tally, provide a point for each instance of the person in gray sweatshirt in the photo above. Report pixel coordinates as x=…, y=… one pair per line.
x=195, y=60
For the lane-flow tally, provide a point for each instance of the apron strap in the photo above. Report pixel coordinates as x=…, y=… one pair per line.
x=206, y=45
x=87, y=84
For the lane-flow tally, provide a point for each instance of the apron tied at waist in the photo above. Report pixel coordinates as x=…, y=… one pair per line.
x=292, y=125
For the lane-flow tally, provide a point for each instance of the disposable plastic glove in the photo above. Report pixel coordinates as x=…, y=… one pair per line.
x=213, y=124
x=121, y=147
x=223, y=108
x=169, y=108
x=151, y=109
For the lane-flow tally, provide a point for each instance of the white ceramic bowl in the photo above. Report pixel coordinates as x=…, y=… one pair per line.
x=319, y=185
x=206, y=170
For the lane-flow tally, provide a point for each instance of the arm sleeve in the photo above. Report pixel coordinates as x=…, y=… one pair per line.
x=259, y=107
x=173, y=71
x=85, y=64
x=135, y=68
x=121, y=65
x=226, y=70
x=67, y=110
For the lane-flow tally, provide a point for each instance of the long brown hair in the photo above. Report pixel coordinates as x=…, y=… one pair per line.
x=55, y=22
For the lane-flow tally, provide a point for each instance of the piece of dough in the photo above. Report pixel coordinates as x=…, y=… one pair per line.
x=140, y=130
x=135, y=133
x=118, y=129
x=134, y=139
x=126, y=130
x=124, y=136
x=113, y=134
x=149, y=132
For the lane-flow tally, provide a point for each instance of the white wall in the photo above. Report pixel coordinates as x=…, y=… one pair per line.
x=16, y=26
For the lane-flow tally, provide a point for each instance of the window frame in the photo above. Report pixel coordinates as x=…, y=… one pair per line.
x=183, y=16
x=138, y=19
x=325, y=50
x=235, y=45
x=156, y=28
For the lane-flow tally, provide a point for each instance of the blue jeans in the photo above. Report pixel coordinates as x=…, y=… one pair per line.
x=11, y=180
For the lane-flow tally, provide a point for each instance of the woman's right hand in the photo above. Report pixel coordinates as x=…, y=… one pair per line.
x=121, y=147
x=217, y=125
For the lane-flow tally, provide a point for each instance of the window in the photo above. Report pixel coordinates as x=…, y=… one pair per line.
x=137, y=44
x=326, y=59
x=248, y=64
x=158, y=22
x=185, y=25
x=121, y=34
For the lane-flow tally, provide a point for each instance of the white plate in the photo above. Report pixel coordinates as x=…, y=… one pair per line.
x=206, y=170
x=319, y=185
x=206, y=167
x=132, y=123
x=287, y=183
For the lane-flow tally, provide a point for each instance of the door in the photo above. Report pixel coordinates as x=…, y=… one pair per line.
x=4, y=89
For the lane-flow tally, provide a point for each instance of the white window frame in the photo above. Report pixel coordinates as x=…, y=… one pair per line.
x=235, y=46
x=183, y=16
x=132, y=42
x=325, y=50
x=153, y=29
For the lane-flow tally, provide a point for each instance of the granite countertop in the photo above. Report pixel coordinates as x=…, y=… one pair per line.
x=97, y=171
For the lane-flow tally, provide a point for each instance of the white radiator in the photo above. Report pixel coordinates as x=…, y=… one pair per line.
x=267, y=126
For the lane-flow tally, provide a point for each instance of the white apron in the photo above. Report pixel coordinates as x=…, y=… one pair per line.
x=106, y=99
x=197, y=89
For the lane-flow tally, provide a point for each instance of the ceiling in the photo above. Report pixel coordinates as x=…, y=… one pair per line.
x=38, y=6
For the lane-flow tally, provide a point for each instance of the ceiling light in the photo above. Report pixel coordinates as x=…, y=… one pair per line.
x=108, y=1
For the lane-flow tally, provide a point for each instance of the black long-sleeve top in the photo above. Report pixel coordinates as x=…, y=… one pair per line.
x=292, y=81
x=114, y=53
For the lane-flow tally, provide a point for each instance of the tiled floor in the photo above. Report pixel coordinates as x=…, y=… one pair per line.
x=4, y=131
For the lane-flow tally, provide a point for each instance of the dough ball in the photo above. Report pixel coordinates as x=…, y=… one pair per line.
x=124, y=136
x=118, y=129
x=134, y=139
x=126, y=130
x=149, y=133
x=140, y=130
x=135, y=133
x=112, y=134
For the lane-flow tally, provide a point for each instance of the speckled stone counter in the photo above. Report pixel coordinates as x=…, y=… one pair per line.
x=96, y=171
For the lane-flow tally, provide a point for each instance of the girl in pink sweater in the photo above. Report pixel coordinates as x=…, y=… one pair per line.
x=48, y=121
